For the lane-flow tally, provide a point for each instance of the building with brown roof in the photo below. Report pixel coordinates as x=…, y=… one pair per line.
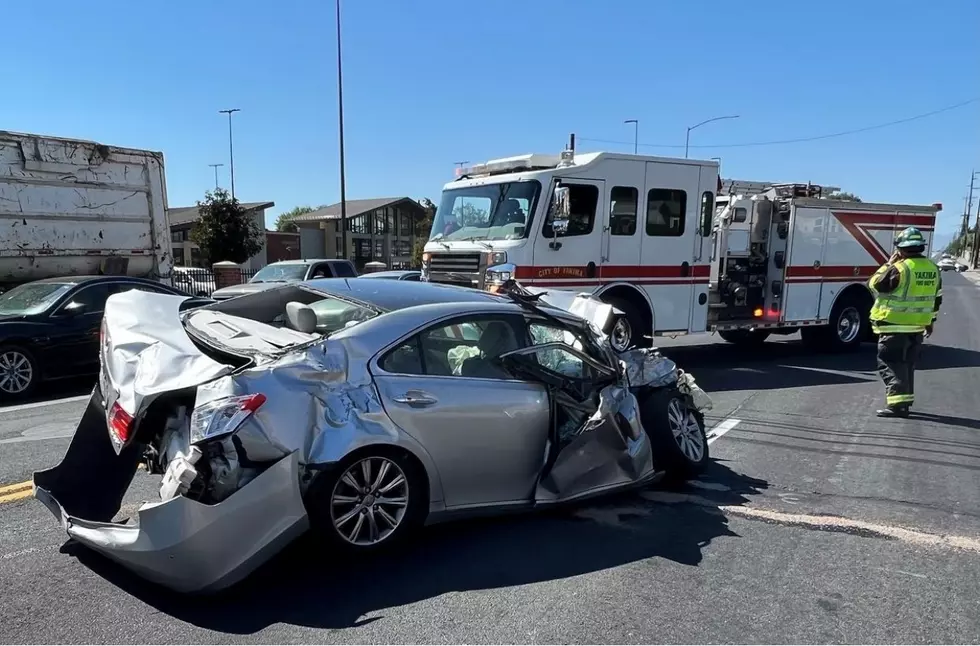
x=379, y=229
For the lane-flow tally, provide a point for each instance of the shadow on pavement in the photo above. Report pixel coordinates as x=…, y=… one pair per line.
x=726, y=367
x=52, y=390
x=306, y=587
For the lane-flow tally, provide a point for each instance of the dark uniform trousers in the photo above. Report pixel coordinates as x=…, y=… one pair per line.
x=897, y=356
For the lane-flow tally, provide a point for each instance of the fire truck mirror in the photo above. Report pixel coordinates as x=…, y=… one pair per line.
x=560, y=227
x=561, y=207
x=763, y=209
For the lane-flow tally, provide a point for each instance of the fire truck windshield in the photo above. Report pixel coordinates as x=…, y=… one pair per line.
x=487, y=212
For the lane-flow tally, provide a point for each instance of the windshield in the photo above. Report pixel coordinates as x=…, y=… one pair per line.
x=279, y=273
x=488, y=212
x=32, y=298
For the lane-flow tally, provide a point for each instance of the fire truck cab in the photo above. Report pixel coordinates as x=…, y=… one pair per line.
x=668, y=243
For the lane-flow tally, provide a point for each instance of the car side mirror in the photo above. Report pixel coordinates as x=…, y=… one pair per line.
x=73, y=308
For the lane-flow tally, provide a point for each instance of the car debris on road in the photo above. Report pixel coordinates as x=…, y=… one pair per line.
x=361, y=408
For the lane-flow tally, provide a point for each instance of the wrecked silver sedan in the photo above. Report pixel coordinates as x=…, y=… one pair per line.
x=364, y=408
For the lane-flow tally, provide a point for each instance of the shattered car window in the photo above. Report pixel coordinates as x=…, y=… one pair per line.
x=558, y=360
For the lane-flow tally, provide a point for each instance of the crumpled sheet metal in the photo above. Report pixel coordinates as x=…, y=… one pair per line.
x=152, y=354
x=584, y=464
x=191, y=547
x=647, y=367
x=320, y=402
x=583, y=305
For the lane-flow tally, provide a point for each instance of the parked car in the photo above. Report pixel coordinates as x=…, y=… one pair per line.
x=949, y=264
x=49, y=329
x=396, y=274
x=288, y=271
x=362, y=408
x=194, y=280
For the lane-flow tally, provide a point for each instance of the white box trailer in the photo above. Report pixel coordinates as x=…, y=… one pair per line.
x=670, y=244
x=70, y=207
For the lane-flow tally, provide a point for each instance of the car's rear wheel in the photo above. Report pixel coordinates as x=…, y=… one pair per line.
x=19, y=372
x=368, y=501
x=677, y=434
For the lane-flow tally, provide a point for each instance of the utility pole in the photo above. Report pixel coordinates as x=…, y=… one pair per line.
x=636, y=133
x=215, y=167
x=460, y=164
x=687, y=140
x=340, y=117
x=231, y=148
x=966, y=220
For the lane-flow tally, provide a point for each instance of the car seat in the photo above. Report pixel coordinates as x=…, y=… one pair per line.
x=498, y=338
x=301, y=317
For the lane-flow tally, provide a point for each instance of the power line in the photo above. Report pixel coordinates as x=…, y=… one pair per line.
x=776, y=142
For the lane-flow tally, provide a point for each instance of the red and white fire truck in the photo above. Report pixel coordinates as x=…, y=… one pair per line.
x=744, y=259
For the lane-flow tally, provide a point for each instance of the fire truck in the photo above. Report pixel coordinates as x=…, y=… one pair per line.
x=744, y=259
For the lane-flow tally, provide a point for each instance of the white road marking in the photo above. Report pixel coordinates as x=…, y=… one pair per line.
x=721, y=428
x=53, y=431
x=53, y=402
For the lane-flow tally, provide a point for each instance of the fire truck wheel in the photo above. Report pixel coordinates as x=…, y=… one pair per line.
x=744, y=337
x=848, y=323
x=627, y=332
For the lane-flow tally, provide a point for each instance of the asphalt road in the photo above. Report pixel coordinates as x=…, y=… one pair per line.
x=817, y=523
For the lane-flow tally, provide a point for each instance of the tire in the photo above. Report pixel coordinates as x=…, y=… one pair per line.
x=844, y=338
x=16, y=362
x=746, y=338
x=664, y=412
x=327, y=519
x=629, y=327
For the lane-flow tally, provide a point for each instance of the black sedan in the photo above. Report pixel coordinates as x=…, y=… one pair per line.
x=49, y=329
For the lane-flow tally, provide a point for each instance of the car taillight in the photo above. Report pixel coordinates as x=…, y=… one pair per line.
x=223, y=417
x=120, y=424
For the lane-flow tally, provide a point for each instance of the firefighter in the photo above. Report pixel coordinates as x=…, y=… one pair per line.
x=908, y=293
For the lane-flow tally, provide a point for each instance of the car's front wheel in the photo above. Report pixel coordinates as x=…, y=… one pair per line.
x=19, y=374
x=676, y=431
x=368, y=501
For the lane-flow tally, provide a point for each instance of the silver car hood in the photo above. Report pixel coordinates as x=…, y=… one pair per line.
x=243, y=289
x=145, y=351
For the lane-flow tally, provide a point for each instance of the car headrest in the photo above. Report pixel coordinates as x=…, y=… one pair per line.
x=301, y=317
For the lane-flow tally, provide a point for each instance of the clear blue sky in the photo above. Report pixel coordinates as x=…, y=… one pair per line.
x=432, y=82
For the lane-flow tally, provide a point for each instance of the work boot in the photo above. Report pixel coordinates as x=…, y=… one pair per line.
x=899, y=410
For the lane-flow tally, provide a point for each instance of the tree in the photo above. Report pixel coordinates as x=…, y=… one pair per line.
x=284, y=221
x=226, y=231
x=843, y=196
x=423, y=228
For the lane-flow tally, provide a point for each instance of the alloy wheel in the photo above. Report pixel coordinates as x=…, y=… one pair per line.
x=848, y=325
x=16, y=372
x=369, y=501
x=686, y=430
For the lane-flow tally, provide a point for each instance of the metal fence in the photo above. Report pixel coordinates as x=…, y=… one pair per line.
x=200, y=282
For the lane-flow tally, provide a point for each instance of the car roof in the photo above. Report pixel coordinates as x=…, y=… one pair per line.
x=395, y=295
x=390, y=273
x=308, y=261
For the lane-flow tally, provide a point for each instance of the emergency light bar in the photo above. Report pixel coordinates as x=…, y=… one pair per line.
x=510, y=165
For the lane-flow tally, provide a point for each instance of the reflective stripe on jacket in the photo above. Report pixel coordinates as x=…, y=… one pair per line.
x=910, y=307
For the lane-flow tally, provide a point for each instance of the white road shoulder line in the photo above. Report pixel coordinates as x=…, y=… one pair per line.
x=53, y=402
x=721, y=428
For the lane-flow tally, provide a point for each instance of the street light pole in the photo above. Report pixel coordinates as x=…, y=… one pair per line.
x=231, y=148
x=636, y=133
x=460, y=164
x=687, y=140
x=215, y=167
x=340, y=118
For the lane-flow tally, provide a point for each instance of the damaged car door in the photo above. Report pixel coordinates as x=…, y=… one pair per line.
x=485, y=430
x=596, y=442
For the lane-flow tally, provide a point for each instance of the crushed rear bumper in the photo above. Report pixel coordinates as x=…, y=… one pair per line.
x=180, y=543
